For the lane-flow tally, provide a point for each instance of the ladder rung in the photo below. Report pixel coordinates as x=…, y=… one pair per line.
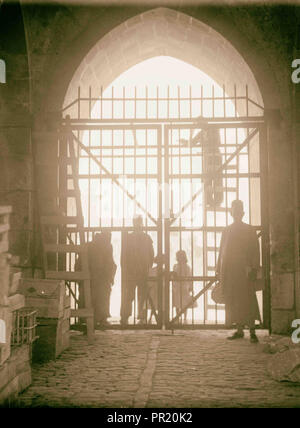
x=69, y=193
x=64, y=248
x=67, y=276
x=3, y=246
x=213, y=248
x=58, y=220
x=82, y=313
x=5, y=210
x=230, y=167
x=4, y=228
x=210, y=268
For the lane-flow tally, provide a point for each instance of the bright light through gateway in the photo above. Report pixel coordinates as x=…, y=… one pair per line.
x=164, y=72
x=156, y=77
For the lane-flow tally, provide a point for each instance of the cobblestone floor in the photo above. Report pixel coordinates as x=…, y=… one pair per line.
x=159, y=369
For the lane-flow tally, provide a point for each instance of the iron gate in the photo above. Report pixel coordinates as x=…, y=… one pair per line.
x=181, y=173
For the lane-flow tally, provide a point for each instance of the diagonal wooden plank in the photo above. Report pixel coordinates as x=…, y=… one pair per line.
x=196, y=297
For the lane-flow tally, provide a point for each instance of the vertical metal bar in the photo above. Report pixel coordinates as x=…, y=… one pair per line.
x=123, y=160
x=264, y=168
x=225, y=158
x=157, y=102
x=178, y=102
x=236, y=146
x=192, y=205
x=135, y=100
x=134, y=169
x=248, y=159
x=112, y=160
x=213, y=100
x=224, y=100
x=100, y=158
x=146, y=91
x=78, y=104
x=201, y=101
x=112, y=102
x=89, y=163
x=204, y=249
x=146, y=200
x=160, y=282
x=190, y=102
x=168, y=103
x=180, y=190
x=112, y=183
x=167, y=228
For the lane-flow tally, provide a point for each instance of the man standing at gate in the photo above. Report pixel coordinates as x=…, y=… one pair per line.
x=237, y=268
x=136, y=259
x=102, y=272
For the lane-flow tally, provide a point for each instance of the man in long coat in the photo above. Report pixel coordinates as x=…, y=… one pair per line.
x=137, y=258
x=237, y=268
x=102, y=271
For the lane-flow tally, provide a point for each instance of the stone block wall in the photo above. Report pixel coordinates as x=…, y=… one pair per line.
x=15, y=362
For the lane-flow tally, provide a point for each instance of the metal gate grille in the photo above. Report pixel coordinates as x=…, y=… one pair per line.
x=178, y=159
x=203, y=183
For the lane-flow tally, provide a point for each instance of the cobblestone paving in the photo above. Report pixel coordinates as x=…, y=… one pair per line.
x=159, y=369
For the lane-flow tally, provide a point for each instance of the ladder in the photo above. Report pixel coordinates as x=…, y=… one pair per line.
x=63, y=237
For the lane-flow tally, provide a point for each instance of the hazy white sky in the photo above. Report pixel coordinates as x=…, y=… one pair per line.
x=163, y=71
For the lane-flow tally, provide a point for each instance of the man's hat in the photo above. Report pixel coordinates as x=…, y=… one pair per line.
x=237, y=204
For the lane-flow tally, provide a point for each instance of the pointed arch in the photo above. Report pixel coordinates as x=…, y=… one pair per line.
x=163, y=31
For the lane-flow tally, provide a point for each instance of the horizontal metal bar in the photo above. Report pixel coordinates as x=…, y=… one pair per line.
x=204, y=98
x=126, y=146
x=120, y=124
x=233, y=175
x=110, y=124
x=111, y=229
x=60, y=220
x=193, y=278
x=154, y=147
x=202, y=228
x=116, y=176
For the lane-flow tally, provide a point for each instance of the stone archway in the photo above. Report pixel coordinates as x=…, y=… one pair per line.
x=243, y=30
x=162, y=32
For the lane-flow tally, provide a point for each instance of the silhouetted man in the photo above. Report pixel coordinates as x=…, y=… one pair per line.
x=209, y=139
x=102, y=271
x=237, y=269
x=136, y=260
